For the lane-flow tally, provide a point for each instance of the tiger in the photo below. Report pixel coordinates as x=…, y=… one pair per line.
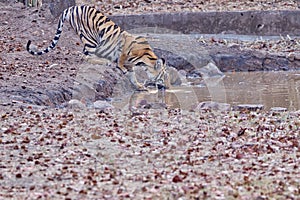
x=102, y=38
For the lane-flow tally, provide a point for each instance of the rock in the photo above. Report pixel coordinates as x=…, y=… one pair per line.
x=156, y=105
x=174, y=76
x=291, y=57
x=58, y=6
x=99, y=82
x=83, y=91
x=295, y=113
x=149, y=100
x=232, y=22
x=33, y=3
x=182, y=76
x=278, y=109
x=102, y=105
x=210, y=105
x=297, y=56
x=251, y=107
x=210, y=70
x=210, y=75
x=48, y=97
x=144, y=104
x=173, y=79
x=76, y=104
x=141, y=74
x=250, y=60
x=175, y=60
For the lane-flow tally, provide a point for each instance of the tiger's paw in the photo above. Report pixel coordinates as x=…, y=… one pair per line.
x=141, y=88
x=154, y=85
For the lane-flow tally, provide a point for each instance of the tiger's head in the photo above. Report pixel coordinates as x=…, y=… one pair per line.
x=137, y=52
x=158, y=75
x=155, y=69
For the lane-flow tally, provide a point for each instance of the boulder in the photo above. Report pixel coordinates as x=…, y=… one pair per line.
x=76, y=104
x=58, y=6
x=250, y=107
x=278, y=109
x=252, y=22
x=102, y=105
x=210, y=105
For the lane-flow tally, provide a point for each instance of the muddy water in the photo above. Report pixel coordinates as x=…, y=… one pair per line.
x=276, y=89
x=272, y=89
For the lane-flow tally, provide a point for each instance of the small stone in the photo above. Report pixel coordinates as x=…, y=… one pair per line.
x=177, y=179
x=174, y=76
x=210, y=105
x=103, y=105
x=297, y=56
x=76, y=104
x=210, y=70
x=278, y=109
x=291, y=56
x=118, y=7
x=251, y=107
x=158, y=106
x=18, y=175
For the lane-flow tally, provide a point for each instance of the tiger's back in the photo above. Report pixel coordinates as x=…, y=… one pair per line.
x=103, y=38
x=90, y=25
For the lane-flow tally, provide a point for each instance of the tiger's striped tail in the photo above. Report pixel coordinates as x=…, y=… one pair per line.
x=63, y=17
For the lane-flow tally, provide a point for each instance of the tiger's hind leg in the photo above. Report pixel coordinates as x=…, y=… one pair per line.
x=89, y=50
x=92, y=58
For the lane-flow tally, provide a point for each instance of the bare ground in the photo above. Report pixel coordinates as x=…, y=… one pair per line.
x=86, y=154
x=155, y=6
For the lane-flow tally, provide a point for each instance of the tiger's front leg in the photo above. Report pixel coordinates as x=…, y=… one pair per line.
x=132, y=78
x=128, y=69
